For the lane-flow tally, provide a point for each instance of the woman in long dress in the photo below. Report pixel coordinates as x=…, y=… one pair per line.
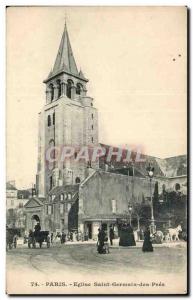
x=126, y=235
x=147, y=244
x=101, y=241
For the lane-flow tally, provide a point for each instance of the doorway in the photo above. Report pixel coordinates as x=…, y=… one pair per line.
x=34, y=220
x=89, y=230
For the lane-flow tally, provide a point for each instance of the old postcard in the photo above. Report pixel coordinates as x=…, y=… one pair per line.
x=96, y=191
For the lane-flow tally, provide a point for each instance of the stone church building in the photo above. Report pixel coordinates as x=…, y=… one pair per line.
x=75, y=195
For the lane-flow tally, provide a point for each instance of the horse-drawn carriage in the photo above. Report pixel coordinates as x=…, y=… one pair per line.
x=11, y=237
x=169, y=235
x=39, y=237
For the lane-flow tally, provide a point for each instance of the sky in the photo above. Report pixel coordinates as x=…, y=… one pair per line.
x=135, y=60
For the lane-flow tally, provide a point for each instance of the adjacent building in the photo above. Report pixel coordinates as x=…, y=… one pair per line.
x=15, y=202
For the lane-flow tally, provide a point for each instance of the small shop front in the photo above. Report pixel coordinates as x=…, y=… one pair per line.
x=90, y=227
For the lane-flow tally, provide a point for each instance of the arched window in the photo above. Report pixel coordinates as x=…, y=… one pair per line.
x=69, y=88
x=177, y=186
x=78, y=88
x=51, y=143
x=51, y=92
x=52, y=149
x=59, y=88
x=49, y=120
x=69, y=206
x=77, y=180
x=61, y=197
x=51, y=182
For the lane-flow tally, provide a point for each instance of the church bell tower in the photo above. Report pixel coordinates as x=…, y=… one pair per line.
x=68, y=118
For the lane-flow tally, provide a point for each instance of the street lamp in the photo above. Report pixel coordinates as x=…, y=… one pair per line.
x=130, y=212
x=150, y=172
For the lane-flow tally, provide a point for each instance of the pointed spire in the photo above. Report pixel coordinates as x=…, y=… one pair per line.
x=65, y=59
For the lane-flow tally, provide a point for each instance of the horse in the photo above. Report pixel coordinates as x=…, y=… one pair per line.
x=174, y=232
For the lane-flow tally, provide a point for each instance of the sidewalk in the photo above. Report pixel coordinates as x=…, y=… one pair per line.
x=115, y=245
x=139, y=244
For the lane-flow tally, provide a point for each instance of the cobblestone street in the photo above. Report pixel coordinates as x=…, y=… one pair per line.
x=82, y=263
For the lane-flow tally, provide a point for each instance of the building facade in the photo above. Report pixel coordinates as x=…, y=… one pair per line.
x=74, y=194
x=68, y=118
x=15, y=202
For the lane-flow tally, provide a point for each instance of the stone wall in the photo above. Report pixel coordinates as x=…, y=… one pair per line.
x=97, y=193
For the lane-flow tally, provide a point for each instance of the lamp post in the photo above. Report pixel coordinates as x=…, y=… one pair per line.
x=150, y=172
x=130, y=212
x=133, y=178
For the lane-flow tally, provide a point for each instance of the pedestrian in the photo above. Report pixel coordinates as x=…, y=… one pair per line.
x=71, y=236
x=126, y=235
x=37, y=227
x=15, y=241
x=101, y=241
x=51, y=237
x=111, y=235
x=30, y=238
x=106, y=243
x=63, y=238
x=86, y=235
x=57, y=238
x=147, y=244
x=25, y=238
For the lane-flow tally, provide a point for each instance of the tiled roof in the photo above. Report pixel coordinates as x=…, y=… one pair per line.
x=168, y=167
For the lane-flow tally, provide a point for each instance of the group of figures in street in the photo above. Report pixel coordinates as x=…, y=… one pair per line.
x=51, y=238
x=126, y=239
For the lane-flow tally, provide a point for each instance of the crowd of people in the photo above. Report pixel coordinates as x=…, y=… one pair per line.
x=72, y=236
x=126, y=238
x=105, y=238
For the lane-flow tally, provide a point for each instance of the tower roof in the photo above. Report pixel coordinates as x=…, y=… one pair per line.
x=65, y=61
x=65, y=58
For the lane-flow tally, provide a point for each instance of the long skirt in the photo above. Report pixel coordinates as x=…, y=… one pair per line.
x=100, y=247
x=147, y=246
x=126, y=239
